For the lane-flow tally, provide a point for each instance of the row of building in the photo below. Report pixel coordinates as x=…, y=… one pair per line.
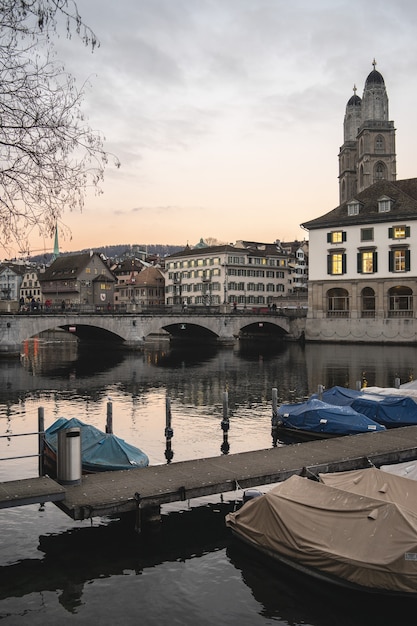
x=244, y=274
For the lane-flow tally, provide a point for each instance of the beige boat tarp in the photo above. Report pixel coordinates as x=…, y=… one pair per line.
x=375, y=483
x=355, y=538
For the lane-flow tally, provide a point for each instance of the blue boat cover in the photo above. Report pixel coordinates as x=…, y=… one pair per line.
x=320, y=417
x=392, y=411
x=340, y=396
x=99, y=451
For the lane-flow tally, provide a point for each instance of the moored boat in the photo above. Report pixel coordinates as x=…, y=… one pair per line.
x=317, y=419
x=100, y=451
x=389, y=407
x=334, y=535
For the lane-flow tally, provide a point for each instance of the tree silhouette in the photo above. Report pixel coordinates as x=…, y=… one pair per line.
x=49, y=155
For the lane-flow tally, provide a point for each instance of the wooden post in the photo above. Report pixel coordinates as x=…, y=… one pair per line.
x=274, y=419
x=41, y=440
x=109, y=418
x=225, y=424
x=169, y=433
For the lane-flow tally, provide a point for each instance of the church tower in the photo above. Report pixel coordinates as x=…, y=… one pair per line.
x=368, y=151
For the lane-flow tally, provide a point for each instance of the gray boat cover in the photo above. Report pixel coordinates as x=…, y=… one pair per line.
x=348, y=537
x=408, y=469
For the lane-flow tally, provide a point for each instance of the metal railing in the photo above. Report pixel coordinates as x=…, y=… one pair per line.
x=41, y=442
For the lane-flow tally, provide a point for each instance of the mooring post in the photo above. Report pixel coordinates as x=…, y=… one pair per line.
x=320, y=390
x=109, y=418
x=358, y=385
x=169, y=433
x=225, y=424
x=41, y=440
x=397, y=383
x=274, y=419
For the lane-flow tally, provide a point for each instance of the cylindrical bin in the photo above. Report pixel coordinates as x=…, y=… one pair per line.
x=69, y=456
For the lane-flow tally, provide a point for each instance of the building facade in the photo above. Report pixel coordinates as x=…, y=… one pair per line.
x=245, y=274
x=78, y=281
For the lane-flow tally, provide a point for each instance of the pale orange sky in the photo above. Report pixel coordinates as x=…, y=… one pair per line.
x=227, y=115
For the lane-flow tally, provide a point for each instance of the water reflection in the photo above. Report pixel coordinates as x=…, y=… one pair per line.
x=71, y=559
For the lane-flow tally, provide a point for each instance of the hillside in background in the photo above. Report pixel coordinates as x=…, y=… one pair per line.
x=120, y=251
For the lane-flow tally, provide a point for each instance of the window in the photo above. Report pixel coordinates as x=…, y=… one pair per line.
x=367, y=261
x=336, y=236
x=353, y=208
x=384, y=205
x=337, y=303
x=399, y=260
x=379, y=144
x=399, y=232
x=367, y=234
x=336, y=263
x=379, y=172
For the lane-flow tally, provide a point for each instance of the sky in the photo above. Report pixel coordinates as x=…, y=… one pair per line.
x=227, y=115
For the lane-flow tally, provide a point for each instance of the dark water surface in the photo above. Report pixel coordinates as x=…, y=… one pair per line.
x=56, y=571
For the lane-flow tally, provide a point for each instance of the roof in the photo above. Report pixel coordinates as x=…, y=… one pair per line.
x=68, y=266
x=253, y=248
x=403, y=193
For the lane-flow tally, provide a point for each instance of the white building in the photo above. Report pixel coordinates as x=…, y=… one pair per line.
x=246, y=274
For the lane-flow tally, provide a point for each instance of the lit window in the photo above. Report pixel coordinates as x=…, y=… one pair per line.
x=399, y=232
x=336, y=263
x=336, y=236
x=367, y=262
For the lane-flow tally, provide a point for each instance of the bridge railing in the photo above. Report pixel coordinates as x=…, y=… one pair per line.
x=88, y=309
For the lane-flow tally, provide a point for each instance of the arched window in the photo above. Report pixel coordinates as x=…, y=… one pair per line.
x=379, y=171
x=337, y=302
x=361, y=176
x=400, y=302
x=379, y=144
x=368, y=302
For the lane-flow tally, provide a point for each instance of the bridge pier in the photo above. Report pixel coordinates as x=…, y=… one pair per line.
x=10, y=344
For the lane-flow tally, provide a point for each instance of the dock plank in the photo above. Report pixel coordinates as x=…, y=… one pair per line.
x=35, y=490
x=117, y=492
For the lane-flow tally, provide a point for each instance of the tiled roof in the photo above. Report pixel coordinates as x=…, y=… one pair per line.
x=66, y=266
x=403, y=193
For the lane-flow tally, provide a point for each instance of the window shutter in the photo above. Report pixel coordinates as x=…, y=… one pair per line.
x=375, y=261
x=407, y=231
x=390, y=233
x=329, y=237
x=343, y=235
x=343, y=263
x=391, y=261
x=407, y=260
x=359, y=262
x=329, y=263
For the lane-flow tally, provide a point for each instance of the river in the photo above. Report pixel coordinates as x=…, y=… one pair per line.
x=57, y=571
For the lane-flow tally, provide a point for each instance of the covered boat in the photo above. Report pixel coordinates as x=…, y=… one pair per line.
x=317, y=419
x=391, y=411
x=99, y=451
x=334, y=535
x=392, y=408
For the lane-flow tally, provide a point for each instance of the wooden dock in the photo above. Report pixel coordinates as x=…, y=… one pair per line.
x=110, y=493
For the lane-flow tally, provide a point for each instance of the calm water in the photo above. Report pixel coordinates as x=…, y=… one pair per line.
x=54, y=570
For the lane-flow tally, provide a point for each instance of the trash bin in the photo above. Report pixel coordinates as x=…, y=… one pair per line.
x=69, y=456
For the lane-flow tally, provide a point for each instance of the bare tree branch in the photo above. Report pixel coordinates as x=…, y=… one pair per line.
x=49, y=155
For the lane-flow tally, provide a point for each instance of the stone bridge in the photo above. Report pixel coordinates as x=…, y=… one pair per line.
x=132, y=330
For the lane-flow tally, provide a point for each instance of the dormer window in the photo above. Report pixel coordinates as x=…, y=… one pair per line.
x=384, y=205
x=353, y=208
